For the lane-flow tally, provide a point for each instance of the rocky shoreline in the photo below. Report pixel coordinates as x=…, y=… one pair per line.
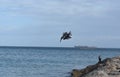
x=109, y=67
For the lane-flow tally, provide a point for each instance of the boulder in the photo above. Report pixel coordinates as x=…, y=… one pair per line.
x=109, y=67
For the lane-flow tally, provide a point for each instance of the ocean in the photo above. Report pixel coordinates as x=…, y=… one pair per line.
x=48, y=61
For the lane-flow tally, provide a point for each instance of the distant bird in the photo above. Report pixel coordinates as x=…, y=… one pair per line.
x=99, y=59
x=66, y=36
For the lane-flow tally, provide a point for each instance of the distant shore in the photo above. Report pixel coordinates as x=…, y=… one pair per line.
x=56, y=47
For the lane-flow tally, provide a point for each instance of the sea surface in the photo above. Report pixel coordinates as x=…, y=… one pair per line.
x=48, y=61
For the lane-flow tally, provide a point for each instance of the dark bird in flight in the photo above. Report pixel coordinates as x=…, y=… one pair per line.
x=66, y=36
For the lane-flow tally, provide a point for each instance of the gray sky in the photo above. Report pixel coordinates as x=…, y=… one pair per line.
x=42, y=22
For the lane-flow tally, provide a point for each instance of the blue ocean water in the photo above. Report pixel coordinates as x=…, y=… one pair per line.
x=48, y=62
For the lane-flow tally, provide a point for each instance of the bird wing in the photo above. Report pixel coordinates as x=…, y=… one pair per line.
x=61, y=38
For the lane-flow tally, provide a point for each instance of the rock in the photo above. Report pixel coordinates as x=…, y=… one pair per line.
x=76, y=73
x=97, y=74
x=109, y=67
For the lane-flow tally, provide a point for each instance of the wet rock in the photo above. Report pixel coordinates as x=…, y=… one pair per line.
x=109, y=67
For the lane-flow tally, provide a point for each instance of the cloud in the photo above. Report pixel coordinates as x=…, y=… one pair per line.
x=57, y=7
x=87, y=19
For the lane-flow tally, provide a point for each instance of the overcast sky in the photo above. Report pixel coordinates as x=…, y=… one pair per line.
x=42, y=22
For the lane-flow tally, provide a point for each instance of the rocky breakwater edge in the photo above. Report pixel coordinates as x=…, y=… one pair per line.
x=109, y=67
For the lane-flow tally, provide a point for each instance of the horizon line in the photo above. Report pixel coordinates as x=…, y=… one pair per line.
x=53, y=47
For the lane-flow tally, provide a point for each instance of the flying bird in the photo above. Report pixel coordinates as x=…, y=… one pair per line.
x=66, y=36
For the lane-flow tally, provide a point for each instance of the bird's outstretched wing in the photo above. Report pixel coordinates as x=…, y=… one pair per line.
x=63, y=36
x=61, y=39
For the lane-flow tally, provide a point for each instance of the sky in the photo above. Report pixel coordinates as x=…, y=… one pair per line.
x=42, y=22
